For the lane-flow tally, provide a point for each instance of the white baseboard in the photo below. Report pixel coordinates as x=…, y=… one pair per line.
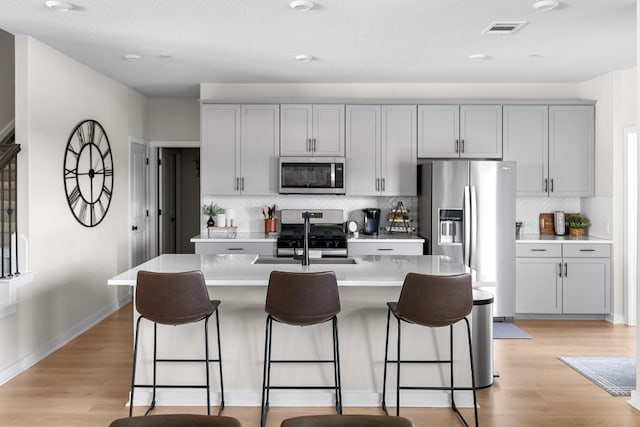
x=194, y=397
x=59, y=342
x=635, y=399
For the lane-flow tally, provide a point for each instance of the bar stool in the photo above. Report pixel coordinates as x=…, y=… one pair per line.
x=176, y=420
x=433, y=301
x=175, y=299
x=301, y=299
x=346, y=421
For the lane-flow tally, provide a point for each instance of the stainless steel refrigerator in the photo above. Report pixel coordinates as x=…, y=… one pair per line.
x=466, y=210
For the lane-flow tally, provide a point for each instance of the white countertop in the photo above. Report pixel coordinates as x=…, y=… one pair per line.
x=239, y=270
x=221, y=236
x=552, y=238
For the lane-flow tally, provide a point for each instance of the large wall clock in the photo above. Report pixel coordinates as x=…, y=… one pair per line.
x=88, y=173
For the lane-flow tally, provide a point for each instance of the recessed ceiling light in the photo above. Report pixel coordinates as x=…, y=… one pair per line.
x=535, y=56
x=132, y=57
x=305, y=58
x=478, y=57
x=546, y=5
x=59, y=6
x=164, y=56
x=301, y=4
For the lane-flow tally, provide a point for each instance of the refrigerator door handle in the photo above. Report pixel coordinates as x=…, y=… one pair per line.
x=466, y=235
x=474, y=226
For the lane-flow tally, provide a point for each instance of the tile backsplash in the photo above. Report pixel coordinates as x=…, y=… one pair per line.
x=528, y=209
x=248, y=209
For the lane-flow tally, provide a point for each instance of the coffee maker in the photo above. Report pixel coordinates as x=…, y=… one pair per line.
x=371, y=223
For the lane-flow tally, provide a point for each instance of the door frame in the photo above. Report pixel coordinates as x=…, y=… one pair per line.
x=154, y=202
x=149, y=252
x=630, y=224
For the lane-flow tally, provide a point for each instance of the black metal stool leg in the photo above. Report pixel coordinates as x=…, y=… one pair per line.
x=473, y=374
x=206, y=363
x=336, y=366
x=133, y=375
x=266, y=372
x=155, y=362
x=384, y=377
x=220, y=362
x=398, y=372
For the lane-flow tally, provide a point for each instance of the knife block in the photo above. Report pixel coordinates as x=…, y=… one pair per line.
x=546, y=223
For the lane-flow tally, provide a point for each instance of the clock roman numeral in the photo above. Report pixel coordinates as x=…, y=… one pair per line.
x=70, y=173
x=92, y=212
x=74, y=197
x=106, y=192
x=82, y=212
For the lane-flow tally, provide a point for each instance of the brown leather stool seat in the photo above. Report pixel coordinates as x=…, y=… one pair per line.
x=301, y=299
x=432, y=301
x=176, y=420
x=346, y=421
x=175, y=299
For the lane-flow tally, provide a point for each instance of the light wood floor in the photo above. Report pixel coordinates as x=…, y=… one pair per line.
x=86, y=383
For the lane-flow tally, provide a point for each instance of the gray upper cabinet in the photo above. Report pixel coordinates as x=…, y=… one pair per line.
x=460, y=131
x=381, y=150
x=312, y=130
x=571, y=151
x=239, y=150
x=554, y=147
x=526, y=141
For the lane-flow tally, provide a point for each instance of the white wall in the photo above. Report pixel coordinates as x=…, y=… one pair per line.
x=615, y=93
x=375, y=91
x=7, y=79
x=174, y=119
x=72, y=263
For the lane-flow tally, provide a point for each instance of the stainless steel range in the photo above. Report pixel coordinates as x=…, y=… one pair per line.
x=327, y=237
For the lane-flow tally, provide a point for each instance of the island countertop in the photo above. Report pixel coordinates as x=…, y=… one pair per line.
x=240, y=270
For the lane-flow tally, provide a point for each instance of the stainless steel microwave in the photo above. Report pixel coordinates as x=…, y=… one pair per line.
x=312, y=175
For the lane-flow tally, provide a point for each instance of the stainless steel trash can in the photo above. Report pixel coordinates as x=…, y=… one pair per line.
x=482, y=338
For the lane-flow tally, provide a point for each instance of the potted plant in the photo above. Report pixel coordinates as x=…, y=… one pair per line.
x=577, y=224
x=212, y=210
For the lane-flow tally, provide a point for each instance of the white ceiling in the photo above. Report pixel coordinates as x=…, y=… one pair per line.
x=372, y=41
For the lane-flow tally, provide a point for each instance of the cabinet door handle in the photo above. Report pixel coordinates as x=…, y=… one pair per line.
x=462, y=145
x=235, y=249
x=559, y=269
x=546, y=185
x=308, y=144
x=384, y=184
x=538, y=250
x=377, y=184
x=587, y=250
x=551, y=185
x=457, y=144
x=314, y=145
x=565, y=269
x=242, y=183
x=384, y=249
x=237, y=186
x=134, y=227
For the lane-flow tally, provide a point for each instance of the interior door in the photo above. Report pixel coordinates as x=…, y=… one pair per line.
x=167, y=193
x=139, y=205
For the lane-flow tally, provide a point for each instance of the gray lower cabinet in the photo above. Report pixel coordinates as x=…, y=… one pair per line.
x=236, y=247
x=380, y=247
x=553, y=278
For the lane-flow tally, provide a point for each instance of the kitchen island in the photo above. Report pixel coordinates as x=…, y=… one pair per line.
x=240, y=283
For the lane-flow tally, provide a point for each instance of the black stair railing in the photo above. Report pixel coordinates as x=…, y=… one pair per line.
x=8, y=216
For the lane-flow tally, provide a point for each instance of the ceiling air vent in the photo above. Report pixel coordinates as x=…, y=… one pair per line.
x=504, y=27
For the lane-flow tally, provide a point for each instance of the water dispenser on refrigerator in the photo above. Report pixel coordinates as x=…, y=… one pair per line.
x=450, y=227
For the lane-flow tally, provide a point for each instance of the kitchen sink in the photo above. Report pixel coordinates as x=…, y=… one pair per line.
x=276, y=260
